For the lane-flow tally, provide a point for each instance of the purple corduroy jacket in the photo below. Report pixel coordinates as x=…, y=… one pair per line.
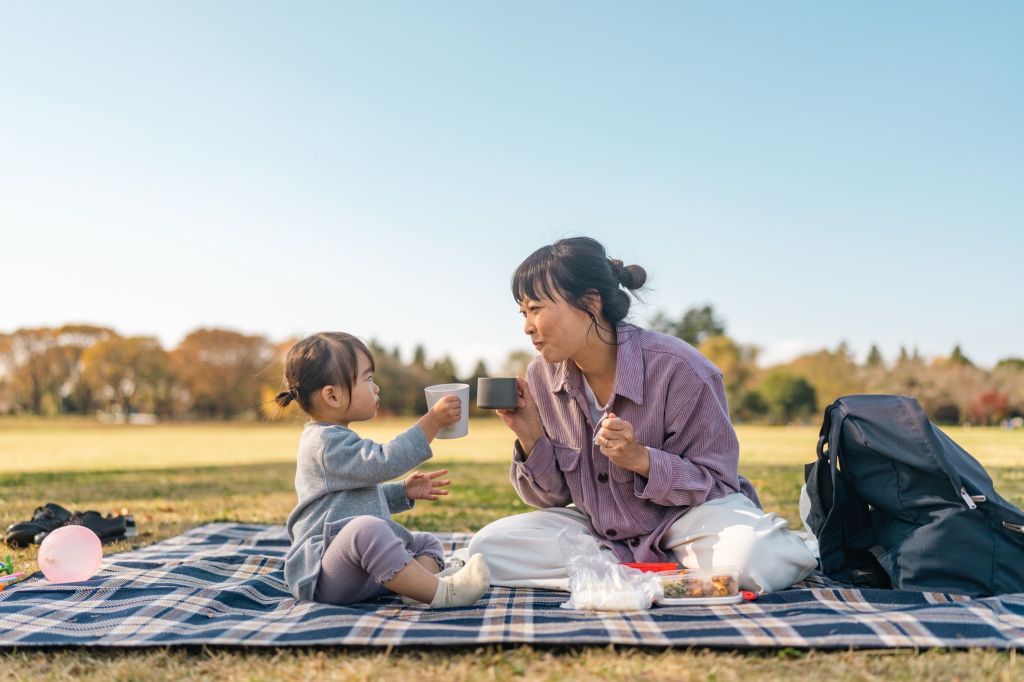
x=675, y=399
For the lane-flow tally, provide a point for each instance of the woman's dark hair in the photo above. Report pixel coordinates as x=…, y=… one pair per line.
x=324, y=359
x=573, y=268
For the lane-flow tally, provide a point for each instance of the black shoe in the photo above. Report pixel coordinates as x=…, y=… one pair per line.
x=108, y=528
x=46, y=518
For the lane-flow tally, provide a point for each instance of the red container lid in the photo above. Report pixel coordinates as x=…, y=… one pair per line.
x=653, y=567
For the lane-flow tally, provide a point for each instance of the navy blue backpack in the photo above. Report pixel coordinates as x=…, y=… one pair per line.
x=896, y=503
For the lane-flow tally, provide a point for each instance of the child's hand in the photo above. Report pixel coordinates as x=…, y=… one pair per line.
x=421, y=486
x=446, y=411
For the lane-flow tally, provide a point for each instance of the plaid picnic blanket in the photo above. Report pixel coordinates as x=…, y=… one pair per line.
x=221, y=584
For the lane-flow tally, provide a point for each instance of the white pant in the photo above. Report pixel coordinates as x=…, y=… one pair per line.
x=523, y=550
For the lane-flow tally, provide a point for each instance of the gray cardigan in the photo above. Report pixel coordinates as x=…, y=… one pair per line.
x=339, y=476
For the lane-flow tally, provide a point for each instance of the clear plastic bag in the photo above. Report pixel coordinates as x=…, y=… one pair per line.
x=598, y=582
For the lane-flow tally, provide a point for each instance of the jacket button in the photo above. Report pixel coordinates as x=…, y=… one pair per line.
x=635, y=542
x=611, y=532
x=602, y=477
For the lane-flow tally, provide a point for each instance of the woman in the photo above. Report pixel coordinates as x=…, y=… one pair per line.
x=625, y=433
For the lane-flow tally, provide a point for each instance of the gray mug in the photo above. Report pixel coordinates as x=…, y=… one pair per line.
x=497, y=393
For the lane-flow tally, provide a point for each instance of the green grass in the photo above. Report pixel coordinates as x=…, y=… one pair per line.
x=176, y=477
x=75, y=445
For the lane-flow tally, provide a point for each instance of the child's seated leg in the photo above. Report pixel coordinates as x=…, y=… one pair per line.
x=366, y=558
x=363, y=554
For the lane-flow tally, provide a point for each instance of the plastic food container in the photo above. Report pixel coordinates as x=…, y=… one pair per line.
x=653, y=567
x=718, y=585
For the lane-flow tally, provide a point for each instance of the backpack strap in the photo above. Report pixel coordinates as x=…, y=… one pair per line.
x=826, y=429
x=829, y=500
x=820, y=478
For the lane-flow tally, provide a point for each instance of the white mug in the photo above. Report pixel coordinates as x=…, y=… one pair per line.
x=435, y=393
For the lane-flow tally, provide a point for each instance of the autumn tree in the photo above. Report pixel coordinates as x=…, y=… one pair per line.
x=990, y=407
x=131, y=373
x=1008, y=377
x=220, y=370
x=738, y=363
x=80, y=337
x=832, y=374
x=38, y=369
x=951, y=381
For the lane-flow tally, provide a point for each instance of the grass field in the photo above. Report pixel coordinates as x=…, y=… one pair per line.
x=175, y=477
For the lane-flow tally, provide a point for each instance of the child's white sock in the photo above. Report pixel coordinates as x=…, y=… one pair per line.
x=451, y=569
x=465, y=586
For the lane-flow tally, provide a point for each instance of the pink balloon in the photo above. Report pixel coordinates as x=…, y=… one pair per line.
x=70, y=554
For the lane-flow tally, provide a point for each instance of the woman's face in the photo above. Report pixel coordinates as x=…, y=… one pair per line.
x=558, y=330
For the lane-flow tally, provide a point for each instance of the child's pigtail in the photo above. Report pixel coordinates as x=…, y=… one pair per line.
x=284, y=398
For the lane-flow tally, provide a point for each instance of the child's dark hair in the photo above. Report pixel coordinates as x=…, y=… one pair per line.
x=573, y=268
x=324, y=359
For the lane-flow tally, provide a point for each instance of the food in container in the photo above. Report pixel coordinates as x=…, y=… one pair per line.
x=718, y=585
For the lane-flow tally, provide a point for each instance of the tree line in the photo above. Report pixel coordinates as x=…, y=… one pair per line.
x=224, y=374
x=951, y=389
x=211, y=374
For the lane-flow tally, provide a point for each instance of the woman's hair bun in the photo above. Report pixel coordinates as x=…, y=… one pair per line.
x=629, y=276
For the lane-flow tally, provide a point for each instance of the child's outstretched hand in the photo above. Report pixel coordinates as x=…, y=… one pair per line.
x=421, y=486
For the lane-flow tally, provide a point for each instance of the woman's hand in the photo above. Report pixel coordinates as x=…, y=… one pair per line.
x=525, y=419
x=421, y=486
x=618, y=443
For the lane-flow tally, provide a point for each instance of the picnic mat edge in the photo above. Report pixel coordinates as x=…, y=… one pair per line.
x=221, y=585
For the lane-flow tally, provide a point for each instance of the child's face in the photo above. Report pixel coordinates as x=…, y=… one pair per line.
x=365, y=393
x=332, y=403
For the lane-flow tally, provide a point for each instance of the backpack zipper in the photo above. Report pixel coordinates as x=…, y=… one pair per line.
x=1013, y=526
x=967, y=498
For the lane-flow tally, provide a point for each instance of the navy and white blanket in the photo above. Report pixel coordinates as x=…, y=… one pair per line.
x=221, y=584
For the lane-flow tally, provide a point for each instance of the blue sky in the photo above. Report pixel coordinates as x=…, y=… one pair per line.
x=817, y=171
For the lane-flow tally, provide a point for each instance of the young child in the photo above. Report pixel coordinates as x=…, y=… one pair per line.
x=345, y=547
